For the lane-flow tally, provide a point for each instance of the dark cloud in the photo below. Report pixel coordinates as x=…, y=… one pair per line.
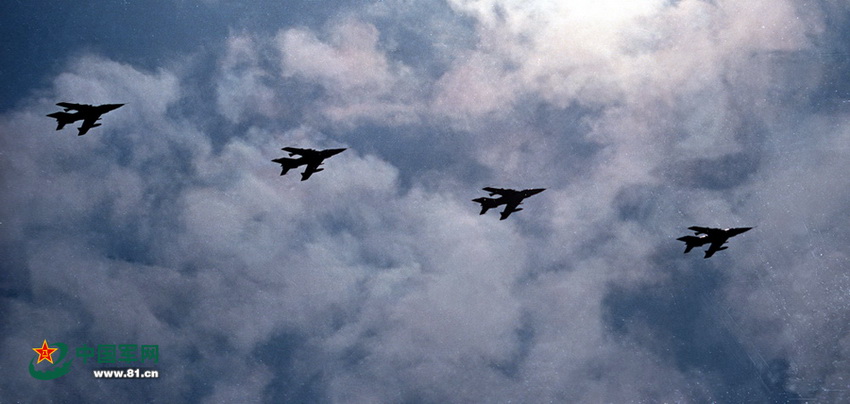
x=719, y=174
x=377, y=280
x=683, y=321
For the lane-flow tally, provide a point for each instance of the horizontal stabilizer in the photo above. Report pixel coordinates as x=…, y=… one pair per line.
x=287, y=162
x=692, y=241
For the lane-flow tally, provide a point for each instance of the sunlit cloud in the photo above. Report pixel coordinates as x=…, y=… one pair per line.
x=377, y=280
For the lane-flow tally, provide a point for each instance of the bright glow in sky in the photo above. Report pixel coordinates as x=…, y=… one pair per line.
x=377, y=280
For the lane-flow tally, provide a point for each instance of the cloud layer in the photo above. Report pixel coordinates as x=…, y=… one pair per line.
x=376, y=280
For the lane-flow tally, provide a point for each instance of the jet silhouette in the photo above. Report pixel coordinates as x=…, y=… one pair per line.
x=312, y=158
x=717, y=237
x=508, y=197
x=89, y=114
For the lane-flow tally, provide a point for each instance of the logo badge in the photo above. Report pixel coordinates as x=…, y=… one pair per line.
x=45, y=353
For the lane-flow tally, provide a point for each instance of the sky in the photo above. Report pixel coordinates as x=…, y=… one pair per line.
x=377, y=281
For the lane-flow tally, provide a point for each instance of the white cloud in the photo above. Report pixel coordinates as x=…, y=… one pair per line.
x=360, y=80
x=402, y=291
x=92, y=80
x=242, y=86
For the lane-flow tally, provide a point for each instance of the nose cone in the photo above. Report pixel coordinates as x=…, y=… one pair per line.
x=333, y=152
x=534, y=191
x=739, y=230
x=110, y=107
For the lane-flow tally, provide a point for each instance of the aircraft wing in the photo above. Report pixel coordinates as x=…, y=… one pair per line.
x=88, y=123
x=70, y=105
x=295, y=150
x=510, y=207
x=497, y=191
x=715, y=246
x=312, y=167
x=704, y=230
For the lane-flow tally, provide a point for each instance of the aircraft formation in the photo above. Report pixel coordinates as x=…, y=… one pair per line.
x=312, y=159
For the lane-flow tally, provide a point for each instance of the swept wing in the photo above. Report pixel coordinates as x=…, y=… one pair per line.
x=498, y=191
x=715, y=246
x=510, y=207
x=70, y=105
x=301, y=152
x=312, y=167
x=89, y=122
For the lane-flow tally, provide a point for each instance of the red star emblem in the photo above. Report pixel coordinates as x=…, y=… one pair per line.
x=45, y=352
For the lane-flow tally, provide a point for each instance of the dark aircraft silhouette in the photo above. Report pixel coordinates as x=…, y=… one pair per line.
x=312, y=158
x=717, y=237
x=89, y=114
x=508, y=197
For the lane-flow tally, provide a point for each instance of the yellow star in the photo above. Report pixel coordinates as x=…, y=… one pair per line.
x=45, y=352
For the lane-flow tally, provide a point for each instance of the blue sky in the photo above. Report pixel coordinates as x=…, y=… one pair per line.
x=377, y=280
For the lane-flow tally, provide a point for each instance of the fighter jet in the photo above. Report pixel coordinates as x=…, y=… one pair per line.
x=717, y=237
x=312, y=158
x=508, y=197
x=89, y=114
